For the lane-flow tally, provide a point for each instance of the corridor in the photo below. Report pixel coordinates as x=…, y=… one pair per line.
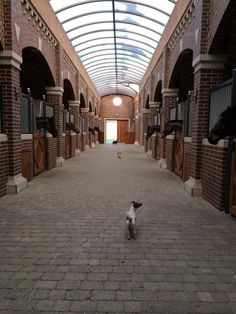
x=63, y=244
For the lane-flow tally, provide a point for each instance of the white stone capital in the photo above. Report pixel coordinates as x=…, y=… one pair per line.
x=74, y=103
x=206, y=61
x=9, y=57
x=84, y=110
x=145, y=111
x=54, y=90
x=170, y=92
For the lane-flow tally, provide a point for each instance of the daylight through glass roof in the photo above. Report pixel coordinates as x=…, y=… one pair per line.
x=115, y=40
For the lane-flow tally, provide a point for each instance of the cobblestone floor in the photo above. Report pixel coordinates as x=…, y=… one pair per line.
x=63, y=246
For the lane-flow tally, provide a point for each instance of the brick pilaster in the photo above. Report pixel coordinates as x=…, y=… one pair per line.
x=168, y=101
x=74, y=108
x=10, y=77
x=54, y=98
x=84, y=113
x=145, y=121
x=208, y=73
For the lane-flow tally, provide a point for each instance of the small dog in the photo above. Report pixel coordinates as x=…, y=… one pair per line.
x=114, y=142
x=131, y=220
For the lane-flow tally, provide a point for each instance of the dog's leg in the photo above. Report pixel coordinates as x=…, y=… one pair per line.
x=128, y=232
x=135, y=232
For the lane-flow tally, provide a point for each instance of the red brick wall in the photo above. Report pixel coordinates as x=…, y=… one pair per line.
x=205, y=79
x=214, y=175
x=187, y=161
x=73, y=145
x=217, y=10
x=28, y=145
x=126, y=110
x=170, y=154
x=51, y=153
x=3, y=167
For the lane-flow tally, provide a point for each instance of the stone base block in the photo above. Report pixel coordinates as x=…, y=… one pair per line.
x=162, y=163
x=16, y=184
x=193, y=187
x=60, y=161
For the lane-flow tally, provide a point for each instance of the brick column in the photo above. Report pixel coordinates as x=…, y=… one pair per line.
x=154, y=106
x=96, y=123
x=84, y=113
x=54, y=98
x=145, y=118
x=91, y=125
x=168, y=99
x=10, y=77
x=208, y=73
x=137, y=129
x=74, y=108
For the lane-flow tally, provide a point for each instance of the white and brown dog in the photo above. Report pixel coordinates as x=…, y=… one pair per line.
x=131, y=220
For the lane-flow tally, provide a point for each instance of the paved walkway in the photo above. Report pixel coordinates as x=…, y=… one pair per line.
x=63, y=247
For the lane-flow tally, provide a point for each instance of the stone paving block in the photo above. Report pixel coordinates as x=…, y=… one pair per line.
x=133, y=307
x=102, y=295
x=77, y=295
x=84, y=306
x=111, y=306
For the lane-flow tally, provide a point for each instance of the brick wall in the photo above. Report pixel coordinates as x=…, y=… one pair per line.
x=214, y=175
x=170, y=154
x=187, y=161
x=3, y=167
x=73, y=145
x=51, y=153
x=28, y=145
x=126, y=110
x=217, y=10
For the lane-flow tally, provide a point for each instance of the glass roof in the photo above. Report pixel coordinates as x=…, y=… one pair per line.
x=115, y=40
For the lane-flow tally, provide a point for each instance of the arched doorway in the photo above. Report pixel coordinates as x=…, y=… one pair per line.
x=182, y=78
x=35, y=76
x=68, y=117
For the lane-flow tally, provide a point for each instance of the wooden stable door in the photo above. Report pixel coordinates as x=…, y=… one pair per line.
x=232, y=202
x=122, y=127
x=179, y=154
x=39, y=153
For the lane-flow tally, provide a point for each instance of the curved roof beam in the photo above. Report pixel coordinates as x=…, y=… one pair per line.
x=140, y=65
x=130, y=50
x=99, y=75
x=111, y=49
x=107, y=52
x=100, y=65
x=107, y=79
x=133, y=23
x=119, y=37
x=129, y=65
x=112, y=70
x=109, y=11
x=125, y=1
x=134, y=47
x=110, y=30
